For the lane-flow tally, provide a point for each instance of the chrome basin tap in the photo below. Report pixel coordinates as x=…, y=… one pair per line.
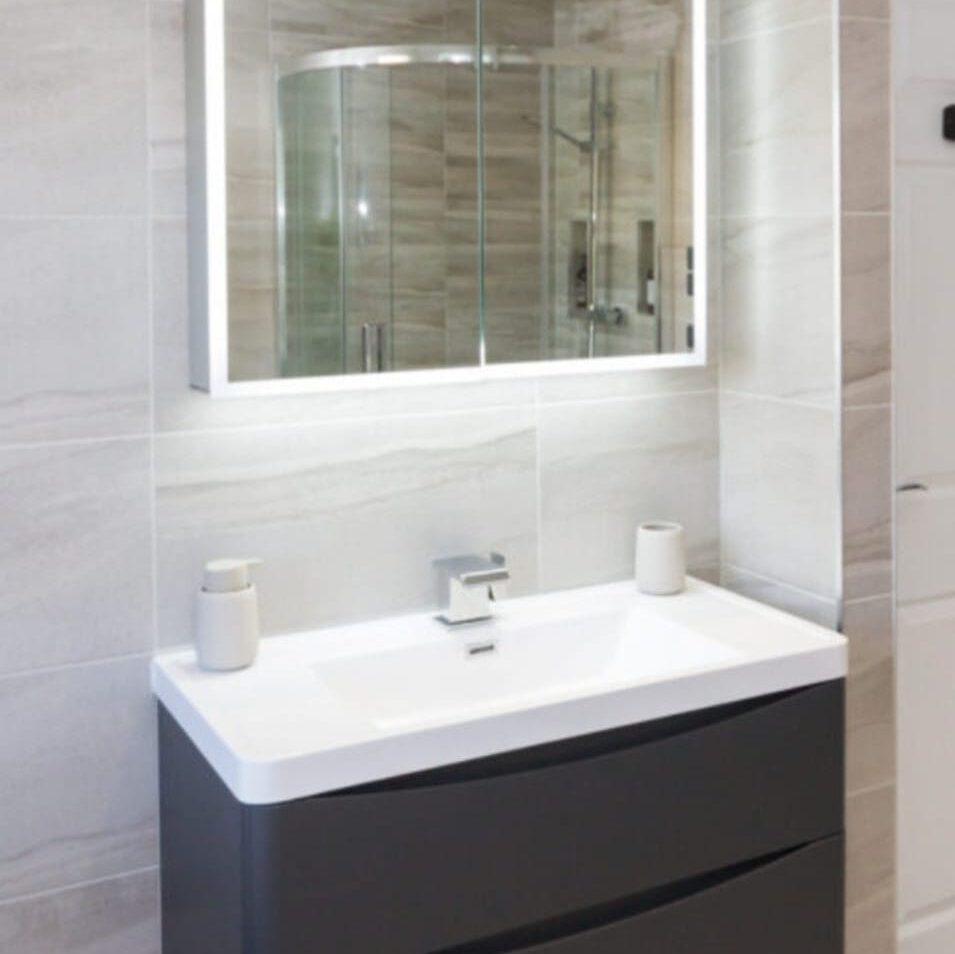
x=467, y=585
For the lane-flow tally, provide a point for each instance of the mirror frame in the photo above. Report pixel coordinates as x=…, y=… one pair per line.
x=208, y=246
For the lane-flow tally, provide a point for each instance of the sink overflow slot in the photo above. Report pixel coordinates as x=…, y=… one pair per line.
x=482, y=649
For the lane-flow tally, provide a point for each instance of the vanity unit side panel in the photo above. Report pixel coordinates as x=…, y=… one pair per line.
x=202, y=848
x=427, y=868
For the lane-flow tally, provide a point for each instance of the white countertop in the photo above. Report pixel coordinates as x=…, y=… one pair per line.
x=334, y=708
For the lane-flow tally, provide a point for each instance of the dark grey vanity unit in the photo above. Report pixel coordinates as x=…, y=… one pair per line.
x=715, y=832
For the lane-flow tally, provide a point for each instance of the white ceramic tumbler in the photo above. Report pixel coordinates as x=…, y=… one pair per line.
x=661, y=559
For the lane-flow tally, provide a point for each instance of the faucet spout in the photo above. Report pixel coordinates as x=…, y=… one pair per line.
x=467, y=585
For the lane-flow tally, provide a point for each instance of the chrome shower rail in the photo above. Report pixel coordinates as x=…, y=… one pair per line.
x=494, y=57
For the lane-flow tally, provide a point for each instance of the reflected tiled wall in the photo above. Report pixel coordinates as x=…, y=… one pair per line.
x=117, y=480
x=411, y=260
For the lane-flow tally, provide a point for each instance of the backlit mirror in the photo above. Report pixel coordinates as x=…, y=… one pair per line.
x=444, y=185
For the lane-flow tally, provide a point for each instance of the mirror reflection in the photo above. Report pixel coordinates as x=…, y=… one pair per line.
x=448, y=183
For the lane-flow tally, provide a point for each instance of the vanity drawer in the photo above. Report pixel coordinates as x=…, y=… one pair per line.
x=789, y=905
x=431, y=863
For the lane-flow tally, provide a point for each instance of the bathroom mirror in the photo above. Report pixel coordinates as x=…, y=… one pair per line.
x=382, y=188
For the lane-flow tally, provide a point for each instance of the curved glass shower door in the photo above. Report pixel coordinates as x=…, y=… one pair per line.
x=378, y=215
x=410, y=237
x=311, y=261
x=438, y=185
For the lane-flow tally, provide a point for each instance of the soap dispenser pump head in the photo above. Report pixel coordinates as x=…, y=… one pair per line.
x=228, y=576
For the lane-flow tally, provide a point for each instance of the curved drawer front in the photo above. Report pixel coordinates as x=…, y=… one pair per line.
x=792, y=905
x=424, y=868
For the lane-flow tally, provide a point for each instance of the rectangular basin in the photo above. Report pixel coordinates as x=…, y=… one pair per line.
x=496, y=668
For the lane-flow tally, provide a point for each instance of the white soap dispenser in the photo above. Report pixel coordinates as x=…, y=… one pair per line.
x=227, y=616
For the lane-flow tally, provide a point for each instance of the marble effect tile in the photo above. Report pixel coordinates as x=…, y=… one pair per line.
x=868, y=9
x=742, y=18
x=77, y=532
x=870, y=879
x=867, y=502
x=866, y=116
x=377, y=23
x=778, y=161
x=780, y=498
x=870, y=695
x=779, y=304
x=348, y=516
x=167, y=107
x=87, y=735
x=73, y=300
x=78, y=64
x=866, y=310
x=116, y=916
x=606, y=468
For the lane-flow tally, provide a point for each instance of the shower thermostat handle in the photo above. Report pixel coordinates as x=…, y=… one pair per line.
x=948, y=123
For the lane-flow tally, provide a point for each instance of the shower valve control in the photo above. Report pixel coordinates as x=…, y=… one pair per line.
x=948, y=123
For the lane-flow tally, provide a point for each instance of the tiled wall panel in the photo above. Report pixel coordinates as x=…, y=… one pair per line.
x=117, y=480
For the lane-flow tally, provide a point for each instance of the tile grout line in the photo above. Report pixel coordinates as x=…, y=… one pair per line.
x=78, y=664
x=762, y=577
x=773, y=31
x=874, y=598
x=76, y=886
x=870, y=789
x=323, y=422
x=774, y=399
x=151, y=326
x=77, y=442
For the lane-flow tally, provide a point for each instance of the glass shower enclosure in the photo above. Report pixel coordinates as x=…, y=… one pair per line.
x=439, y=206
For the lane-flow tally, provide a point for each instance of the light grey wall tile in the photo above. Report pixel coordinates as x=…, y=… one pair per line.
x=348, y=516
x=740, y=18
x=779, y=325
x=73, y=108
x=865, y=66
x=76, y=559
x=870, y=695
x=573, y=388
x=167, y=106
x=866, y=309
x=115, y=916
x=247, y=15
x=808, y=606
x=73, y=316
x=780, y=500
x=79, y=751
x=607, y=467
x=867, y=502
x=776, y=103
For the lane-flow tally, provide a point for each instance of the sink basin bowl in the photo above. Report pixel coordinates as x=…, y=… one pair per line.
x=326, y=710
x=513, y=664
